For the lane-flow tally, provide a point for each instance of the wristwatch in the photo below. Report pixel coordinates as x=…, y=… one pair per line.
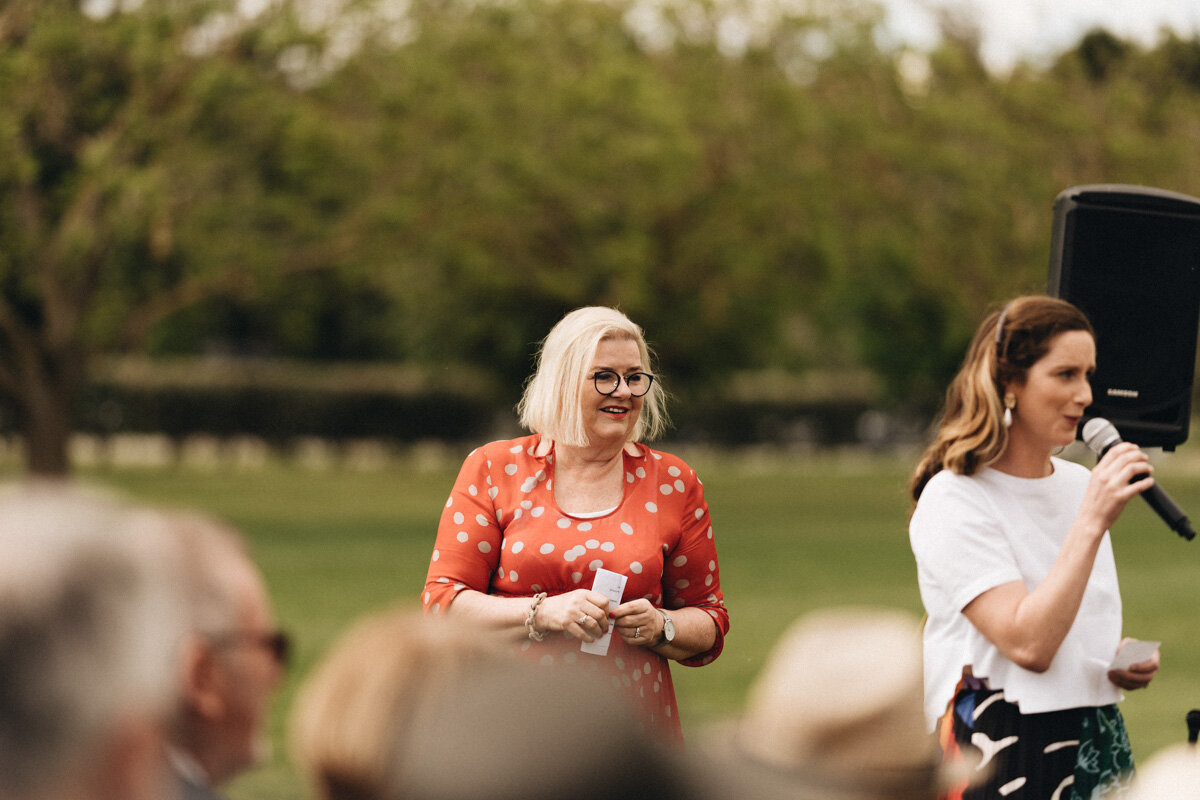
x=668, y=631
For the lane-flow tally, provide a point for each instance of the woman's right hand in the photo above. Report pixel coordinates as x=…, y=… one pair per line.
x=582, y=613
x=1123, y=472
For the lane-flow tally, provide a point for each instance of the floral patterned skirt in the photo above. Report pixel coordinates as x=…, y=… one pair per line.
x=1074, y=754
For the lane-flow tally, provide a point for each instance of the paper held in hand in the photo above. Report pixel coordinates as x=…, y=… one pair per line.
x=611, y=585
x=1133, y=652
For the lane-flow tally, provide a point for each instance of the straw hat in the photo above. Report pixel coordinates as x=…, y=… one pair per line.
x=837, y=713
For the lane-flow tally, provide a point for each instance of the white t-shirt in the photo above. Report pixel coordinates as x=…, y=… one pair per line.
x=973, y=533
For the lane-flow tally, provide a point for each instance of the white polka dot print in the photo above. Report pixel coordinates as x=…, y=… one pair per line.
x=543, y=549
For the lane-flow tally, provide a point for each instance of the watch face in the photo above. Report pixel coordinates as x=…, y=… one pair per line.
x=668, y=629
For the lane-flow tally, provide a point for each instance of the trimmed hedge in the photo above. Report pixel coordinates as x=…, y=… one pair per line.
x=281, y=402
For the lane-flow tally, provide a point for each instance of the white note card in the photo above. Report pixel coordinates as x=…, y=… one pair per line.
x=611, y=585
x=1133, y=652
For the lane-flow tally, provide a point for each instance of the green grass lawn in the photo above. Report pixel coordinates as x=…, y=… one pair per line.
x=793, y=535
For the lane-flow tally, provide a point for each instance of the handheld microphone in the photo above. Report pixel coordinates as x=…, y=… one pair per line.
x=1100, y=436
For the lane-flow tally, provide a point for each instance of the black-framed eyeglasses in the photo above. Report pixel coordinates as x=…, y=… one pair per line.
x=277, y=643
x=607, y=382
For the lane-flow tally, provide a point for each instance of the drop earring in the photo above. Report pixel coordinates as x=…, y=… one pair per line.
x=1010, y=403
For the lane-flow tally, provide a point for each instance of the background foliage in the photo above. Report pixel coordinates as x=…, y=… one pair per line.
x=766, y=189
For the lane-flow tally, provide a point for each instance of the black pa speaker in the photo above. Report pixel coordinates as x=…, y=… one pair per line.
x=1129, y=258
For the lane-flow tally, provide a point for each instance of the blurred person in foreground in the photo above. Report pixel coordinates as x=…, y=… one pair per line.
x=233, y=658
x=835, y=714
x=530, y=521
x=407, y=708
x=1016, y=568
x=89, y=622
x=1173, y=773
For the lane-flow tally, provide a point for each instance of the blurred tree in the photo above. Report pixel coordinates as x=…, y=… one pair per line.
x=438, y=181
x=151, y=157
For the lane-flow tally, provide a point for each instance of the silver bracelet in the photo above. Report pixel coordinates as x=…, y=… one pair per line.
x=534, y=633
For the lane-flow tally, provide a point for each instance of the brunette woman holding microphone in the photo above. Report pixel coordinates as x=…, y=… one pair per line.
x=1016, y=567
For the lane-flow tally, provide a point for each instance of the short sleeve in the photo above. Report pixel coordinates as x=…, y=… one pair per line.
x=467, y=549
x=958, y=544
x=691, y=574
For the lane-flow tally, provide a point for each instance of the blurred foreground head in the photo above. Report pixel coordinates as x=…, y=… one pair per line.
x=89, y=623
x=836, y=714
x=233, y=658
x=1171, y=773
x=410, y=708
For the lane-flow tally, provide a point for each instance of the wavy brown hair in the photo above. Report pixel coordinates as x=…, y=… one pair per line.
x=971, y=433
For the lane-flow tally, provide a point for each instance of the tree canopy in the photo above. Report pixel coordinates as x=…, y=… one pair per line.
x=762, y=188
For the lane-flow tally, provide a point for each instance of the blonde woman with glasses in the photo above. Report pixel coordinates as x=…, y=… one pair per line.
x=530, y=523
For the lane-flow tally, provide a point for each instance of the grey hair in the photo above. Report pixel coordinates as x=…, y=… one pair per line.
x=90, y=618
x=208, y=546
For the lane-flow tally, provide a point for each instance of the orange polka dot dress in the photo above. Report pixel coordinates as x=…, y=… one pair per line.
x=502, y=533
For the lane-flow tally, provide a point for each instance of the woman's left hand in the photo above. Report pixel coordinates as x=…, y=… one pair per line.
x=1138, y=676
x=638, y=622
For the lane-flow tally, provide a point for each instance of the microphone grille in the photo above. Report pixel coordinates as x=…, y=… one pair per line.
x=1099, y=434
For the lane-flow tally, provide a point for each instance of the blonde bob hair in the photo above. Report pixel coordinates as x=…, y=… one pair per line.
x=355, y=710
x=1009, y=341
x=552, y=404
